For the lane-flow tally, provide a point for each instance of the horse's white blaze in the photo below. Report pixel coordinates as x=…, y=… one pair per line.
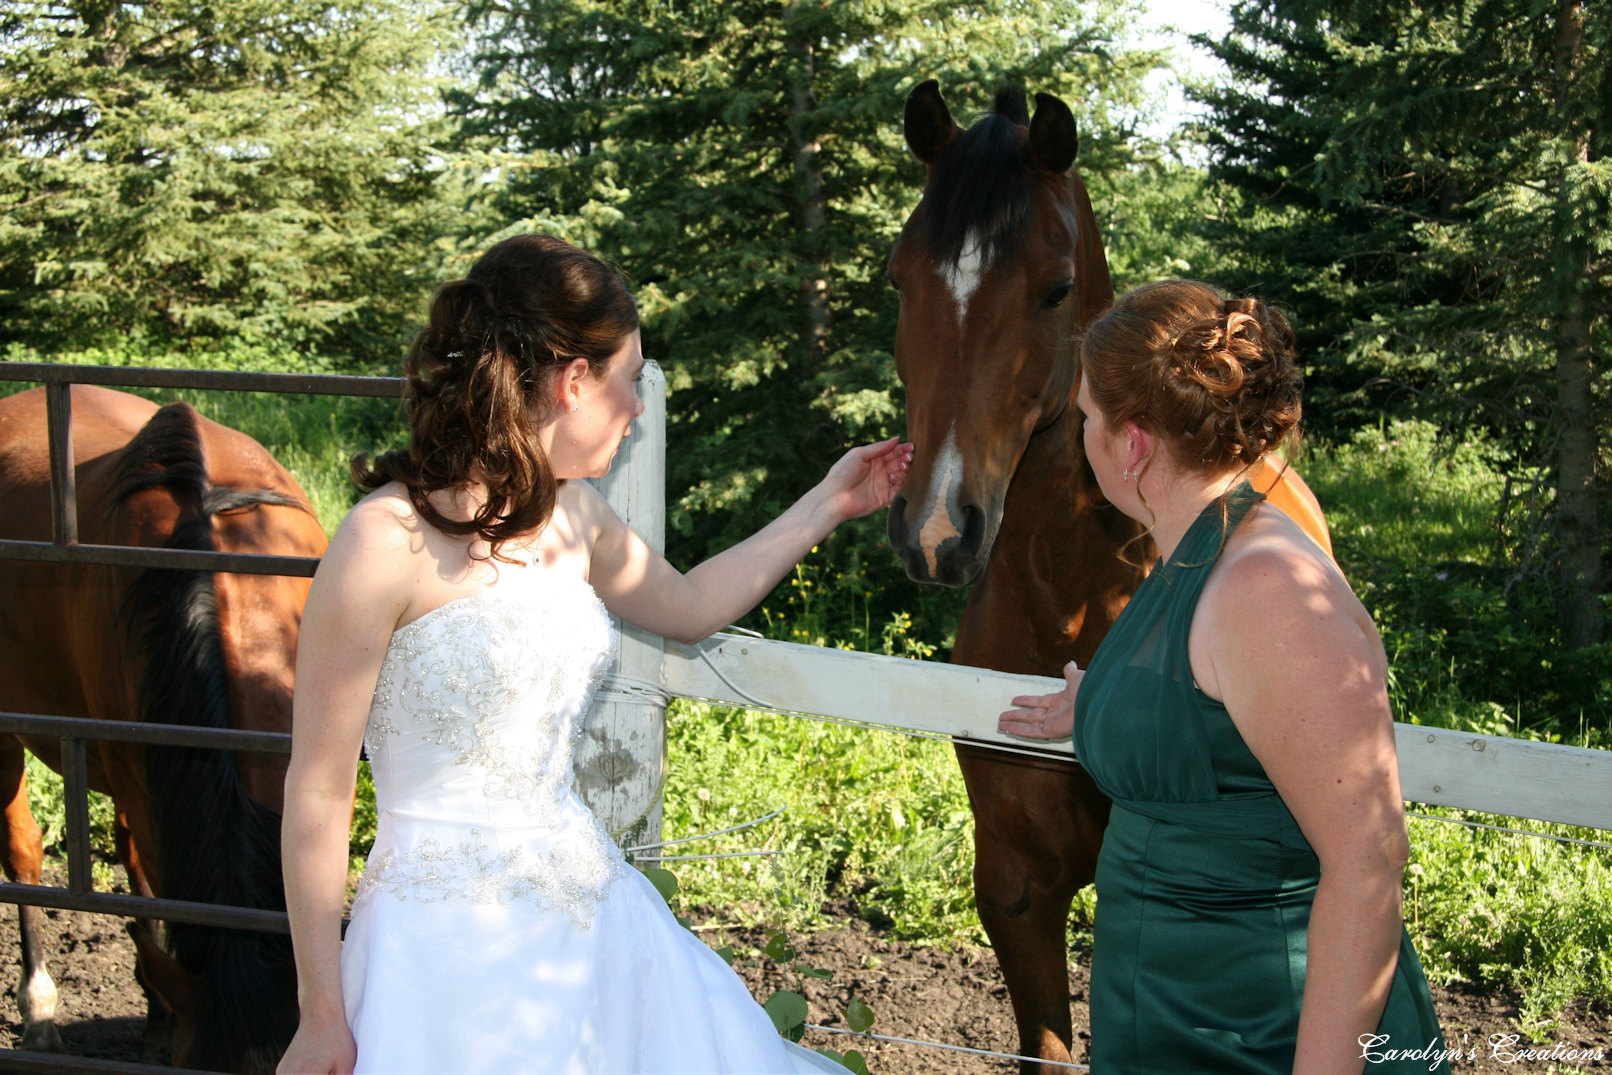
x=963, y=278
x=944, y=481
x=36, y=1000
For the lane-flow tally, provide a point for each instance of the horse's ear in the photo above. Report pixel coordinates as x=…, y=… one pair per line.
x=1054, y=142
x=174, y=985
x=928, y=123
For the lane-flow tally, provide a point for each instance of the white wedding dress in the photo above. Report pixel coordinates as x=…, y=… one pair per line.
x=497, y=927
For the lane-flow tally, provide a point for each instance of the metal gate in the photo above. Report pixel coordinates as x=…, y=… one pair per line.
x=74, y=733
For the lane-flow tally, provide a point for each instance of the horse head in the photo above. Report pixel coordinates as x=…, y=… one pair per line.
x=998, y=268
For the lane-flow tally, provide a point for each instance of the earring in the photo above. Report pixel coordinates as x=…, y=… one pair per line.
x=575, y=407
x=1129, y=475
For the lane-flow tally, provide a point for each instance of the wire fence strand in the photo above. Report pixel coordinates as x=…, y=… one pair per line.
x=1515, y=832
x=891, y=1039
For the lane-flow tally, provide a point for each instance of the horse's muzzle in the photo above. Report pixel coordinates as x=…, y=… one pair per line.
x=956, y=561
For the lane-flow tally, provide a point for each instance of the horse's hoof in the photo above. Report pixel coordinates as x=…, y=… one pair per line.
x=42, y=1037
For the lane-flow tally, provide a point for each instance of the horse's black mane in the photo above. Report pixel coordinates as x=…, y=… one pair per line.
x=979, y=190
x=215, y=843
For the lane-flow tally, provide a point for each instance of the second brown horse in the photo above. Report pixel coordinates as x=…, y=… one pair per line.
x=999, y=268
x=170, y=646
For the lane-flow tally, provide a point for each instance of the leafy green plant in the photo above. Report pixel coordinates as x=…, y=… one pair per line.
x=1512, y=910
x=47, y=800
x=786, y=1008
x=880, y=816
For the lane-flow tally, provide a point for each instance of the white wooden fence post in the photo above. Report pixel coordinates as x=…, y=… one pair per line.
x=621, y=760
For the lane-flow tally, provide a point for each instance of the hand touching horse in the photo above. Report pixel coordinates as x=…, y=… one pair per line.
x=173, y=646
x=999, y=268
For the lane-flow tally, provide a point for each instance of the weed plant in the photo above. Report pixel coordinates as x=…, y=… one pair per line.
x=1498, y=908
x=48, y=802
x=877, y=817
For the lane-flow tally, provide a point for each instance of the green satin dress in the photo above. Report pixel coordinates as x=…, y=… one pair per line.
x=1205, y=882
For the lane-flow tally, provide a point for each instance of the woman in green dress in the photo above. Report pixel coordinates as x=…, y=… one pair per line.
x=1249, y=885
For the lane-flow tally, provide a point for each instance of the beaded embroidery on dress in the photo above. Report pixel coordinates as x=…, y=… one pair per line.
x=471, y=704
x=497, y=927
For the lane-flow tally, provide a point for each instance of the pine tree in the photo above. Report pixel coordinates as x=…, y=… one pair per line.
x=1430, y=188
x=176, y=173
x=743, y=163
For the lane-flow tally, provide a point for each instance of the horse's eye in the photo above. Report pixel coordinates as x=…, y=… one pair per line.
x=1055, y=298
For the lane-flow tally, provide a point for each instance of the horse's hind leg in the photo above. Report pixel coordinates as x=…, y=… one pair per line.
x=24, y=854
x=159, y=1020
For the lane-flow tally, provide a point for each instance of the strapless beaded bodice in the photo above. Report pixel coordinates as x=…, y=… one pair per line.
x=471, y=733
x=497, y=928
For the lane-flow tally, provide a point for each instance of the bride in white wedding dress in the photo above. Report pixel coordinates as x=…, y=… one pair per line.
x=456, y=628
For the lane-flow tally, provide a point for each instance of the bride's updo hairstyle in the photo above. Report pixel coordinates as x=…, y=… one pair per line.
x=478, y=376
x=1214, y=378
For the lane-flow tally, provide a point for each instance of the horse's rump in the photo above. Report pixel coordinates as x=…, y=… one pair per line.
x=215, y=843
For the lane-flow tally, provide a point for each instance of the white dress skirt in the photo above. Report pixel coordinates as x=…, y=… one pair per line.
x=497, y=927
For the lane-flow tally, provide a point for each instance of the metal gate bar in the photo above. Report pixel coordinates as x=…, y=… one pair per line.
x=28, y=1063
x=295, y=384
x=80, y=894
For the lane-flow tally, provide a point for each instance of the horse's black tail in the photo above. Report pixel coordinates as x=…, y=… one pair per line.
x=215, y=843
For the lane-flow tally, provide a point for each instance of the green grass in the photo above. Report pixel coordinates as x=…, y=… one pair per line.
x=1397, y=494
x=877, y=816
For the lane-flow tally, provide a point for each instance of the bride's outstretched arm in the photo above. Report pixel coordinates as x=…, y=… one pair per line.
x=353, y=606
x=638, y=584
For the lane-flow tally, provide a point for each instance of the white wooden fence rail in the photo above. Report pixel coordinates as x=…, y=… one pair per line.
x=622, y=763
x=1439, y=767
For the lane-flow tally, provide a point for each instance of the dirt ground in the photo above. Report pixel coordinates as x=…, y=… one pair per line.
x=955, y=997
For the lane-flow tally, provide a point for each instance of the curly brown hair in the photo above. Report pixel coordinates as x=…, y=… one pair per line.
x=1215, y=378
x=478, y=375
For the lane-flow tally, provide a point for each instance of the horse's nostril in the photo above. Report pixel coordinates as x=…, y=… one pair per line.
x=973, y=530
x=897, y=525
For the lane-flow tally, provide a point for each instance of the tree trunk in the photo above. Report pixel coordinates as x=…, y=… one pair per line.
x=1576, y=493
x=814, y=209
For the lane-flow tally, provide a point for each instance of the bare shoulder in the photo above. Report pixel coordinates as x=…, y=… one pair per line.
x=591, y=518
x=373, y=556
x=581, y=499
x=1273, y=596
x=385, y=519
x=1271, y=567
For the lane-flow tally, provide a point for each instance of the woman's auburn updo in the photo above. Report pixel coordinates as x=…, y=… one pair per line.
x=478, y=377
x=1215, y=378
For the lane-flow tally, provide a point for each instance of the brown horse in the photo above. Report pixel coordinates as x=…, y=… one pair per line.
x=999, y=267
x=165, y=645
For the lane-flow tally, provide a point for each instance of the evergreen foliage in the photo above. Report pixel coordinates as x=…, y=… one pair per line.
x=1427, y=184
x=743, y=163
x=256, y=168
